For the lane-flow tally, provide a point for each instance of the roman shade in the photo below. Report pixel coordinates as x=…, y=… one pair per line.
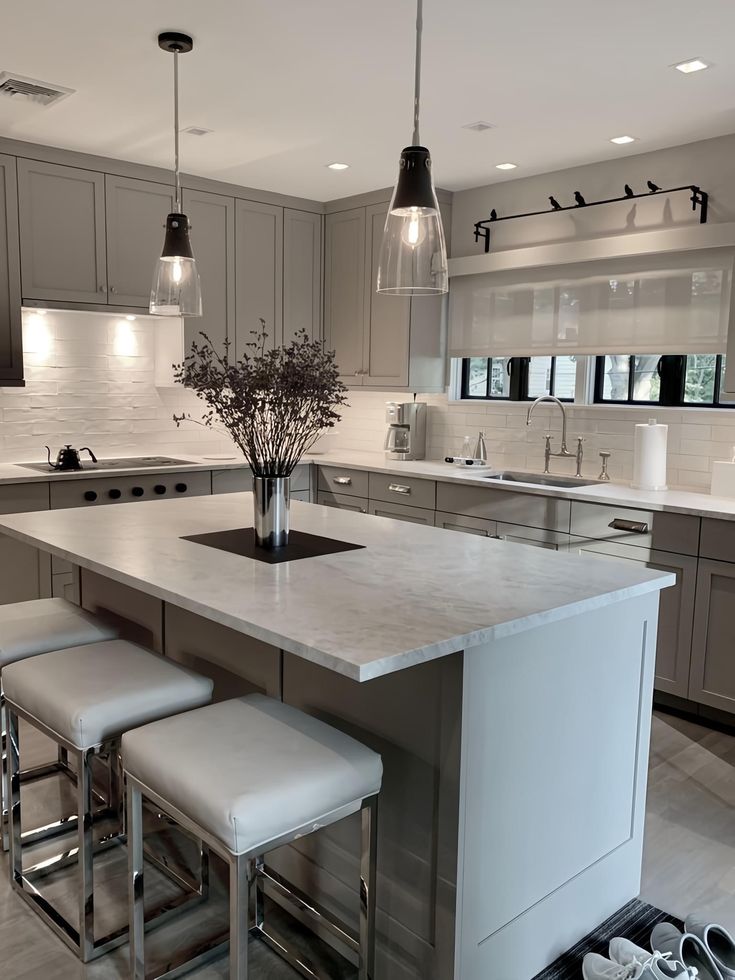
x=651, y=304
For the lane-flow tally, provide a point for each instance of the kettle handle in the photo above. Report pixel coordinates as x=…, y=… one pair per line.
x=48, y=454
x=86, y=449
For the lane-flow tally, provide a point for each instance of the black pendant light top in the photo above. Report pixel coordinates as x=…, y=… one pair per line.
x=174, y=42
x=414, y=188
x=177, y=241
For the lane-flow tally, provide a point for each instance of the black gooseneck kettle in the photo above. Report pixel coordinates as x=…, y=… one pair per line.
x=68, y=458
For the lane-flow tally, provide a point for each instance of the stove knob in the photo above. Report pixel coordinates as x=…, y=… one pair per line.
x=181, y=488
x=115, y=494
x=137, y=491
x=90, y=495
x=159, y=489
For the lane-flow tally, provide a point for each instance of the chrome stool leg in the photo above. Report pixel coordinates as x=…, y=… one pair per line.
x=368, y=864
x=240, y=878
x=136, y=877
x=85, y=856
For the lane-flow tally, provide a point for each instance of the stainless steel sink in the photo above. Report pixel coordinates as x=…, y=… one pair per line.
x=540, y=479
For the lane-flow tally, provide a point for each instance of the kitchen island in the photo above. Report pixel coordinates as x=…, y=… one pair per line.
x=507, y=689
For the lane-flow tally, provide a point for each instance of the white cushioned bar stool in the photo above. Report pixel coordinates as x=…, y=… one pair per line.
x=84, y=698
x=28, y=629
x=246, y=776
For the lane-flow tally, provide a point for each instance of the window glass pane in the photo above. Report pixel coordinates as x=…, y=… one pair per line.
x=499, y=377
x=699, y=383
x=646, y=382
x=539, y=377
x=565, y=377
x=477, y=377
x=615, y=373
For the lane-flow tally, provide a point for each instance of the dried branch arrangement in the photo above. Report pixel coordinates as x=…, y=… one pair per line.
x=273, y=403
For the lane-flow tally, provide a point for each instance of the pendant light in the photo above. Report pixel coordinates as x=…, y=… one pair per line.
x=413, y=254
x=176, y=290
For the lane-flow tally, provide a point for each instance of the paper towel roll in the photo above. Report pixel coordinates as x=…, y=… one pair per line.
x=649, y=456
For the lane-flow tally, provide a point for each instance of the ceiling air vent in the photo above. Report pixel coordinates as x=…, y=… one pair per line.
x=31, y=89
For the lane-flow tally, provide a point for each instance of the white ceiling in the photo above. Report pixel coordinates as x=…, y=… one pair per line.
x=288, y=87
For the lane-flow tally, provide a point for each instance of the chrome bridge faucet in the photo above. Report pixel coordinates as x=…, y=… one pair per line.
x=563, y=451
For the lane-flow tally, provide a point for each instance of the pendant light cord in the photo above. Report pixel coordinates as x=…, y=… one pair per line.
x=176, y=133
x=417, y=77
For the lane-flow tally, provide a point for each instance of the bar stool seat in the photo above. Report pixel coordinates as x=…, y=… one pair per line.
x=252, y=770
x=84, y=698
x=244, y=777
x=42, y=625
x=90, y=693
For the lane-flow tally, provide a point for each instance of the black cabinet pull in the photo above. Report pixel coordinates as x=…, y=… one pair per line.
x=634, y=527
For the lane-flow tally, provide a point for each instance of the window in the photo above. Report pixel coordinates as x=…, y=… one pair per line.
x=518, y=378
x=673, y=379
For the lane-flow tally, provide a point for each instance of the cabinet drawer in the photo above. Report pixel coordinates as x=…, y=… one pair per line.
x=303, y=495
x=639, y=528
x=469, y=525
x=718, y=539
x=342, y=501
x=241, y=480
x=503, y=505
x=337, y=479
x=535, y=536
x=17, y=498
x=403, y=490
x=121, y=489
x=402, y=512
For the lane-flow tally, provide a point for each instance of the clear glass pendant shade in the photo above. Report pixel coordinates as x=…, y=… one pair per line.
x=176, y=290
x=413, y=253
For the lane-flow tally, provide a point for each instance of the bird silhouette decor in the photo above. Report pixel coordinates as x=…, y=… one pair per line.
x=652, y=187
x=554, y=203
x=493, y=215
x=581, y=203
x=629, y=192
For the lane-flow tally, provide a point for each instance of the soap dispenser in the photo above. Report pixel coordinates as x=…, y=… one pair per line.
x=723, y=477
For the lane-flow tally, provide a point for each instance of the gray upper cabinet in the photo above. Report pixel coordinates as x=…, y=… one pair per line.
x=259, y=275
x=62, y=233
x=136, y=217
x=11, y=349
x=712, y=677
x=212, y=218
x=387, y=318
x=344, y=290
x=302, y=274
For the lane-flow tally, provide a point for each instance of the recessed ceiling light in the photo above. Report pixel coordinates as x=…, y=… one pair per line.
x=338, y=166
x=694, y=64
x=478, y=127
x=128, y=317
x=42, y=312
x=197, y=131
x=620, y=140
x=506, y=166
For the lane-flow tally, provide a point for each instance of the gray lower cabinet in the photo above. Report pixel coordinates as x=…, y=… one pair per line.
x=62, y=233
x=712, y=677
x=302, y=274
x=241, y=481
x=342, y=502
x=65, y=580
x=507, y=506
x=468, y=525
x=344, y=290
x=402, y=512
x=25, y=572
x=11, y=339
x=534, y=536
x=212, y=218
x=136, y=217
x=676, y=610
x=259, y=273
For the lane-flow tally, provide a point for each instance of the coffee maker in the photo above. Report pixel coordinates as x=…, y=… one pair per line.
x=406, y=435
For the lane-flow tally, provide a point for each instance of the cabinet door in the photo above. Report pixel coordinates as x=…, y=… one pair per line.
x=387, y=318
x=342, y=502
x=212, y=218
x=712, y=679
x=136, y=217
x=62, y=233
x=402, y=512
x=469, y=525
x=302, y=274
x=11, y=341
x=676, y=608
x=534, y=536
x=259, y=276
x=344, y=290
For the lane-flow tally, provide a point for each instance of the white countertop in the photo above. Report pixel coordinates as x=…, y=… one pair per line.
x=412, y=594
x=616, y=494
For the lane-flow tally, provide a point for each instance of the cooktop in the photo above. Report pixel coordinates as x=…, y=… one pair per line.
x=123, y=463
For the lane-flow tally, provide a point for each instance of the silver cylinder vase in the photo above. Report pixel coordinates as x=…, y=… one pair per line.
x=272, y=500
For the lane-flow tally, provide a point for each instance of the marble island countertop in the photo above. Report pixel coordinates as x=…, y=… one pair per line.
x=411, y=594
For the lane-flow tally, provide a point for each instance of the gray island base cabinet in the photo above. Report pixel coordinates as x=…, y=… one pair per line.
x=511, y=814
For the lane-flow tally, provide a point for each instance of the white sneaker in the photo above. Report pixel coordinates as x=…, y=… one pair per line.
x=596, y=967
x=688, y=949
x=717, y=940
x=662, y=966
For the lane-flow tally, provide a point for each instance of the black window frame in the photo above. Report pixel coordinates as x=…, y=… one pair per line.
x=671, y=370
x=518, y=372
